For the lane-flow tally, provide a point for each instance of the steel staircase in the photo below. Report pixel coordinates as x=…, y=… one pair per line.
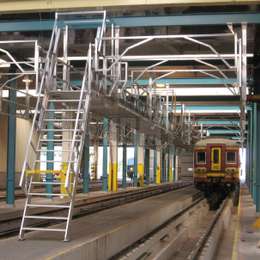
x=60, y=120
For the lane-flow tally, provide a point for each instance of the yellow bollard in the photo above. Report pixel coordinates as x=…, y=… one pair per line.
x=140, y=172
x=158, y=175
x=112, y=177
x=62, y=176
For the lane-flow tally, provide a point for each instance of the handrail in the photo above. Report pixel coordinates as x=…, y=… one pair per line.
x=41, y=89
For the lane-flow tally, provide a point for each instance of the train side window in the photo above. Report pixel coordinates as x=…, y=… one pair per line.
x=231, y=157
x=201, y=157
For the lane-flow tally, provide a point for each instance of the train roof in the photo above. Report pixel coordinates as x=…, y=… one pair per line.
x=228, y=142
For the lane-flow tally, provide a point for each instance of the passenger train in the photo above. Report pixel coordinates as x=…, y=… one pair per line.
x=216, y=163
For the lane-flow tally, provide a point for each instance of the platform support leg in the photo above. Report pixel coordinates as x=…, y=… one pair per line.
x=11, y=143
x=113, y=164
x=170, y=163
x=105, y=150
x=248, y=151
x=251, y=155
x=158, y=162
x=147, y=166
x=254, y=149
x=124, y=165
x=163, y=165
x=154, y=165
x=136, y=142
x=140, y=160
x=257, y=177
x=50, y=148
x=86, y=175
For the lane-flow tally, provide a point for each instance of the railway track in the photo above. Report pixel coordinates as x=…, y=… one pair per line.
x=87, y=206
x=185, y=236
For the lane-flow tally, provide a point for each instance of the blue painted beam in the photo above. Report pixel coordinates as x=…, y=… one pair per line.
x=218, y=122
x=142, y=21
x=209, y=107
x=223, y=131
x=189, y=81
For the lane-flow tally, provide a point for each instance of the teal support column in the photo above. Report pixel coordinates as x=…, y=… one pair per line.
x=136, y=142
x=251, y=151
x=254, y=149
x=50, y=149
x=257, y=177
x=248, y=151
x=163, y=165
x=105, y=151
x=86, y=175
x=124, y=165
x=174, y=163
x=11, y=143
x=147, y=166
x=154, y=165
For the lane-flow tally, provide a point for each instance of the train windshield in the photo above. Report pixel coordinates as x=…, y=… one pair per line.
x=201, y=157
x=231, y=157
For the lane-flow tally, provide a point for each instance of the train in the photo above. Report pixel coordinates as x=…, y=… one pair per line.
x=216, y=163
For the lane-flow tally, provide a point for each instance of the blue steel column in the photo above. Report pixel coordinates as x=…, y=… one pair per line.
x=257, y=177
x=86, y=177
x=254, y=149
x=154, y=165
x=124, y=165
x=163, y=165
x=248, y=160
x=147, y=165
x=11, y=142
x=105, y=150
x=136, y=142
x=50, y=148
x=251, y=150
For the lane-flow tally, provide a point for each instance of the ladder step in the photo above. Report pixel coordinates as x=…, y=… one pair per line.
x=44, y=229
x=60, y=130
x=52, y=161
x=62, y=120
x=55, y=151
x=48, y=206
x=47, y=194
x=47, y=183
x=45, y=217
x=58, y=140
x=63, y=110
x=66, y=100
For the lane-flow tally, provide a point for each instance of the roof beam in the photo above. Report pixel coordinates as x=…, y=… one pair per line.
x=47, y=5
x=142, y=21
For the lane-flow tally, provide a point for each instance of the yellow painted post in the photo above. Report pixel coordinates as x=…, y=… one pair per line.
x=170, y=161
x=141, y=174
x=62, y=175
x=113, y=165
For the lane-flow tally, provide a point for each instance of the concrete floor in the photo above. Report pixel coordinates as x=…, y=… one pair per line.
x=241, y=240
x=100, y=235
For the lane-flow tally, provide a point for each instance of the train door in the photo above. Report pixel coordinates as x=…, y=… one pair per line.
x=215, y=158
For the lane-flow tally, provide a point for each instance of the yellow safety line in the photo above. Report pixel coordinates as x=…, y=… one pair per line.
x=237, y=232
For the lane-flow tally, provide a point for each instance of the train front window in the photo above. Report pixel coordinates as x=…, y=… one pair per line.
x=201, y=157
x=231, y=157
x=215, y=156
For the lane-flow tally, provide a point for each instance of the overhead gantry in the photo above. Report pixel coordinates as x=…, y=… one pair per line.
x=126, y=87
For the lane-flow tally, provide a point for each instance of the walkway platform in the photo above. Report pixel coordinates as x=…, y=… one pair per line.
x=242, y=239
x=103, y=234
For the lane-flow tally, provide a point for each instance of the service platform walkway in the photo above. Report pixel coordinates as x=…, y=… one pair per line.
x=103, y=234
x=242, y=239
